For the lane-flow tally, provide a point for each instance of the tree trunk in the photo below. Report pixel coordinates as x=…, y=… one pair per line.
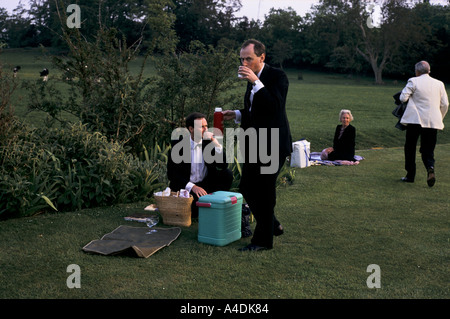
x=371, y=54
x=378, y=72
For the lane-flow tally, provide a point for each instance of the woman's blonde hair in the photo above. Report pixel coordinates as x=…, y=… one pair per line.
x=345, y=112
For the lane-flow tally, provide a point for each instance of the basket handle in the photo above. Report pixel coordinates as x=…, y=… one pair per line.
x=200, y=204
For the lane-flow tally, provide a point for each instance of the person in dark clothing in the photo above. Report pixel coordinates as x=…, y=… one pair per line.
x=264, y=111
x=192, y=162
x=344, y=140
x=427, y=105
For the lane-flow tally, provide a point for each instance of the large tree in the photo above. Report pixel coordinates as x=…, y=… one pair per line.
x=400, y=33
x=16, y=29
x=207, y=21
x=103, y=92
x=281, y=30
x=132, y=18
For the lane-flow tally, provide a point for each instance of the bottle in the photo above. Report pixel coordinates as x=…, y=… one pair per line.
x=218, y=119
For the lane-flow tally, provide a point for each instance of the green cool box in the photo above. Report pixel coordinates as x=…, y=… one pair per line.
x=219, y=218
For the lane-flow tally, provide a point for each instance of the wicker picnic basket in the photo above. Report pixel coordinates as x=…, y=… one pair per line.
x=175, y=210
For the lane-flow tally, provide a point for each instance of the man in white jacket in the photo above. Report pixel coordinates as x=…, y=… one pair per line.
x=424, y=114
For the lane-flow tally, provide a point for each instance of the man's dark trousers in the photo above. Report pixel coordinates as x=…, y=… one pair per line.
x=259, y=190
x=428, y=137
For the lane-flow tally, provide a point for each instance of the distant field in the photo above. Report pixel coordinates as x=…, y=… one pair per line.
x=313, y=103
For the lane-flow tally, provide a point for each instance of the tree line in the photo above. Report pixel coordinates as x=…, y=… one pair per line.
x=335, y=35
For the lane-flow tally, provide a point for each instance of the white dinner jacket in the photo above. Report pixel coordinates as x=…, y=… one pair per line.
x=427, y=102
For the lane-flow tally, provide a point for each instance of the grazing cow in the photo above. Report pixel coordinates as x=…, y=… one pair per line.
x=15, y=70
x=69, y=75
x=44, y=73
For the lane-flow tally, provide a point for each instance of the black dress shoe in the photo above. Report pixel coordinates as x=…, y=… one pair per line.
x=253, y=247
x=407, y=180
x=431, y=177
x=278, y=231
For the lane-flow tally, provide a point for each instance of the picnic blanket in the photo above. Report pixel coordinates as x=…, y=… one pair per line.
x=316, y=160
x=135, y=239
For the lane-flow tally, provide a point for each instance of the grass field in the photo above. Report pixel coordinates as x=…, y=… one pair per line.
x=338, y=221
x=313, y=103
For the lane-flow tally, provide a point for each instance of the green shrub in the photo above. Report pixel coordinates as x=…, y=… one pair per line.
x=195, y=81
x=8, y=85
x=285, y=177
x=71, y=169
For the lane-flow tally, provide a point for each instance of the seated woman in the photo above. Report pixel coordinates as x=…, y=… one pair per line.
x=344, y=140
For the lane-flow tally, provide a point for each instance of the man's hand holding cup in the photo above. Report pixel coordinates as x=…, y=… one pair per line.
x=246, y=73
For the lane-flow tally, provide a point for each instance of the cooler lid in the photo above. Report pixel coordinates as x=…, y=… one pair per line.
x=221, y=197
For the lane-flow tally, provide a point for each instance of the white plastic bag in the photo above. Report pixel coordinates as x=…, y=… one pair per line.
x=300, y=156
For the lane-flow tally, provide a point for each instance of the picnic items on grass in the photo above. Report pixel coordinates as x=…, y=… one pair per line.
x=133, y=239
x=219, y=218
x=174, y=208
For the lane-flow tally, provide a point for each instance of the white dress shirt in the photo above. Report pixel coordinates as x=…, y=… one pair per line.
x=198, y=167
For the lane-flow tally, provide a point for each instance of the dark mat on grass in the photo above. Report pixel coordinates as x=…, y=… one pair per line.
x=136, y=239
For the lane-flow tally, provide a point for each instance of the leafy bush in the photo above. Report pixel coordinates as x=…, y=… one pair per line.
x=285, y=178
x=195, y=81
x=99, y=89
x=8, y=85
x=71, y=169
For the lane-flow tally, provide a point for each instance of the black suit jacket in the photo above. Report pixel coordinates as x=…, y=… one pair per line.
x=268, y=111
x=269, y=108
x=344, y=147
x=179, y=173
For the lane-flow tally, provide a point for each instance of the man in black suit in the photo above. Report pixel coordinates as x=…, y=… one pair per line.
x=264, y=112
x=197, y=161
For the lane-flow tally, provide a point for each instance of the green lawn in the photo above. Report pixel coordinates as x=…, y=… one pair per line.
x=337, y=220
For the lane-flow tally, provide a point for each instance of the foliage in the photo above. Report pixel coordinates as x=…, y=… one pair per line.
x=199, y=80
x=281, y=30
x=8, y=85
x=103, y=93
x=131, y=108
x=334, y=31
x=72, y=169
x=41, y=23
x=338, y=37
x=16, y=29
x=207, y=21
x=285, y=178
